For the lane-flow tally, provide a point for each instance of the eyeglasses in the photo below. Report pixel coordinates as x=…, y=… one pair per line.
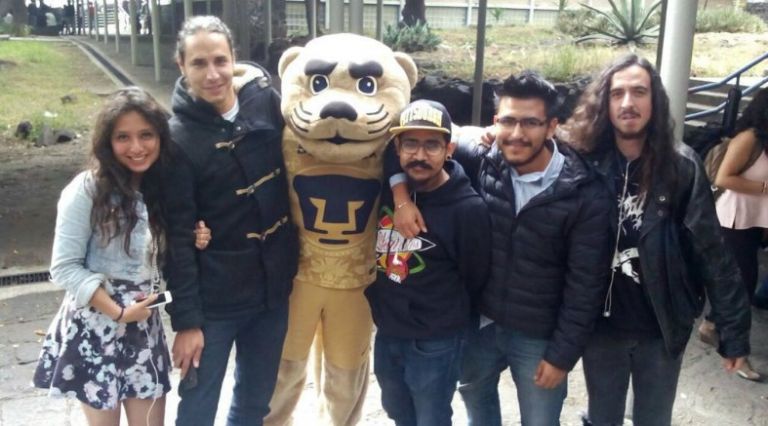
x=431, y=147
x=527, y=123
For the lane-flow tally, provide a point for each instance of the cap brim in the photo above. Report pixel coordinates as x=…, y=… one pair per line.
x=401, y=129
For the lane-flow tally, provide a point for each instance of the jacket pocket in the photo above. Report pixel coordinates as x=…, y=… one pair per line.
x=231, y=277
x=684, y=299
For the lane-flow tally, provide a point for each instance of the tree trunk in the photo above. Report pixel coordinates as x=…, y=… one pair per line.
x=19, y=11
x=307, y=13
x=414, y=11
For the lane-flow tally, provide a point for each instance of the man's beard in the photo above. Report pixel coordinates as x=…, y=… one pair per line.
x=641, y=134
x=530, y=159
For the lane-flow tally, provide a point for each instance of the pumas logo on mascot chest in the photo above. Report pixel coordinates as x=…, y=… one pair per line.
x=337, y=216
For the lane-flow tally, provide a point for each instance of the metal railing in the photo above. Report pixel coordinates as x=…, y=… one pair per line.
x=734, y=75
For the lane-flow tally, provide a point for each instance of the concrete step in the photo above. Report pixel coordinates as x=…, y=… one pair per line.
x=696, y=123
x=714, y=98
x=694, y=82
x=692, y=108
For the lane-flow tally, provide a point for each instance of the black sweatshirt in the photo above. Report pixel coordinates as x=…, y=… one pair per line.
x=425, y=286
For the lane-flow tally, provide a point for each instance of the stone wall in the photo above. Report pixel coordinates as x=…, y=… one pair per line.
x=758, y=9
x=456, y=95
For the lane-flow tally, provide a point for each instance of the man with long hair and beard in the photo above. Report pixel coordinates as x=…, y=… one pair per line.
x=668, y=249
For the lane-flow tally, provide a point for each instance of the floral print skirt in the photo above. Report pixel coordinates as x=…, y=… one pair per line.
x=88, y=356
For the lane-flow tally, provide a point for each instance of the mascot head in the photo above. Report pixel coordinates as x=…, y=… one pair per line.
x=341, y=92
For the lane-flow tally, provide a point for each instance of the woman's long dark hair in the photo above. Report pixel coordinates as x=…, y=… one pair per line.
x=114, y=200
x=755, y=116
x=590, y=128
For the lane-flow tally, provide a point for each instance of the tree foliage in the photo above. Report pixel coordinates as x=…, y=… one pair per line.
x=414, y=12
x=411, y=39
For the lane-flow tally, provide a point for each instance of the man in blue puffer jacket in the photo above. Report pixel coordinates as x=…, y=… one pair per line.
x=549, y=261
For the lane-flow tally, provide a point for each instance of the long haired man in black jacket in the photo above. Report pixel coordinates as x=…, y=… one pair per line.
x=668, y=249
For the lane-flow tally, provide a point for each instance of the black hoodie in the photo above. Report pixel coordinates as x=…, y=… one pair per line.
x=425, y=286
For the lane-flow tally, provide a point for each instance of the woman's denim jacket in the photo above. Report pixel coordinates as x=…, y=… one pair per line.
x=81, y=259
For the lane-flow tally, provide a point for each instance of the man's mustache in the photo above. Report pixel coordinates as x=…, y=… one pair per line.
x=629, y=112
x=418, y=163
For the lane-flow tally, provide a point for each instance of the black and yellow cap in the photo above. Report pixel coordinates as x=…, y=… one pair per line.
x=423, y=115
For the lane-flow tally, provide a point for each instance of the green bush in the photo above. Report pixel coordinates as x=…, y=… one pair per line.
x=630, y=22
x=497, y=13
x=580, y=22
x=14, y=30
x=728, y=20
x=567, y=62
x=411, y=39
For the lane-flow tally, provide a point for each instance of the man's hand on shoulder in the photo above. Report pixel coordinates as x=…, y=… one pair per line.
x=548, y=376
x=187, y=348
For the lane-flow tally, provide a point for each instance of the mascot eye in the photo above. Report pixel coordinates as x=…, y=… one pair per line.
x=318, y=83
x=367, y=85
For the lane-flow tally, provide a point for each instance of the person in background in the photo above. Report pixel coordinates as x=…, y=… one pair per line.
x=91, y=17
x=68, y=19
x=32, y=12
x=743, y=206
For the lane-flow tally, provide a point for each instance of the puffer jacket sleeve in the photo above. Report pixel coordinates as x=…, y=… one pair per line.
x=70, y=243
x=473, y=228
x=586, y=278
x=714, y=264
x=469, y=153
x=180, y=270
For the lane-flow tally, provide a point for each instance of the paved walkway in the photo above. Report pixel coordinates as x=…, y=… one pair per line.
x=706, y=395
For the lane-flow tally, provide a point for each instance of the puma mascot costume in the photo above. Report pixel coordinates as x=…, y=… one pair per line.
x=340, y=93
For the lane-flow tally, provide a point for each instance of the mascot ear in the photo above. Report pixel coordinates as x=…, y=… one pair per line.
x=408, y=65
x=286, y=58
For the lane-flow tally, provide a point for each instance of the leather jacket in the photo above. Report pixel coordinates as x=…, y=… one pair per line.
x=683, y=258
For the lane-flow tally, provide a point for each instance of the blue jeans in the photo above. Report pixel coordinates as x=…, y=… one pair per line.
x=417, y=378
x=609, y=362
x=490, y=351
x=258, y=339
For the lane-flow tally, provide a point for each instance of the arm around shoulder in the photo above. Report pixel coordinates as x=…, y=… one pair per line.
x=589, y=250
x=474, y=245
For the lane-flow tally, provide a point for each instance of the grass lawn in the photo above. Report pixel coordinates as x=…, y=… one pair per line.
x=35, y=76
x=511, y=49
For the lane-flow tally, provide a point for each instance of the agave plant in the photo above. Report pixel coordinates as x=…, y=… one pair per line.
x=629, y=22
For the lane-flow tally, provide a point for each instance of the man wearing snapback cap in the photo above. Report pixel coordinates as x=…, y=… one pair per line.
x=425, y=286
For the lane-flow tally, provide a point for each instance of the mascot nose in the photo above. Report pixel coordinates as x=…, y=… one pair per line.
x=338, y=110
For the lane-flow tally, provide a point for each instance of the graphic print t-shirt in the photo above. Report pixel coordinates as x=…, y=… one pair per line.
x=631, y=311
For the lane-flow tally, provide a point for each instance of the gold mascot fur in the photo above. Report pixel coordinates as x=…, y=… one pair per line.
x=340, y=93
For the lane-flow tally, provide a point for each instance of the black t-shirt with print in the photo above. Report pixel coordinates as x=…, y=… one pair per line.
x=631, y=311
